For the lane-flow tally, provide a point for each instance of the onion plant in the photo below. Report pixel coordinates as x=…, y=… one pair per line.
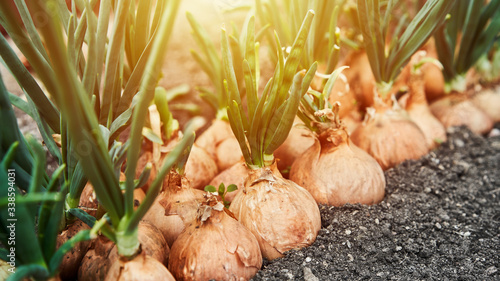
x=281, y=214
x=265, y=126
x=110, y=71
x=387, y=61
x=91, y=119
x=323, y=42
x=468, y=34
x=31, y=215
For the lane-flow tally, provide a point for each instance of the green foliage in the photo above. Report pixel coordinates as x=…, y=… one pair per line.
x=268, y=121
x=469, y=33
x=374, y=20
x=222, y=191
x=323, y=42
x=314, y=102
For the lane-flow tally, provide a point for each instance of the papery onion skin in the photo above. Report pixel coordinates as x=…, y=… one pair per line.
x=200, y=160
x=219, y=248
x=281, y=214
x=457, y=110
x=298, y=141
x=217, y=135
x=433, y=130
x=140, y=268
x=174, y=207
x=390, y=138
x=234, y=175
x=68, y=269
x=96, y=262
x=488, y=101
x=336, y=172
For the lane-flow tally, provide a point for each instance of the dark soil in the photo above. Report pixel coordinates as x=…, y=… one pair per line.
x=440, y=220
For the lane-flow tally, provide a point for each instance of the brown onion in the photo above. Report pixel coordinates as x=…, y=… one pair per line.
x=174, y=207
x=299, y=140
x=215, y=136
x=432, y=74
x=96, y=262
x=456, y=110
x=234, y=175
x=200, y=167
x=141, y=267
x=488, y=101
x=390, y=137
x=215, y=246
x=281, y=214
x=68, y=269
x=418, y=108
x=336, y=172
x=152, y=242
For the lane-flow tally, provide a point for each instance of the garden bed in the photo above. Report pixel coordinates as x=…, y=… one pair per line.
x=439, y=220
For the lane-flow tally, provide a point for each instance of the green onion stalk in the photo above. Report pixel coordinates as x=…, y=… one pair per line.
x=218, y=140
x=467, y=35
x=323, y=46
x=30, y=216
x=90, y=139
x=386, y=117
x=334, y=170
x=261, y=203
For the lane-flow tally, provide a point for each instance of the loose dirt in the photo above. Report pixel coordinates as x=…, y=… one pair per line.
x=440, y=220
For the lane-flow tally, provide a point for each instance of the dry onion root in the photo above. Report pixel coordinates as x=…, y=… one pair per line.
x=457, y=110
x=390, y=137
x=174, y=207
x=336, y=172
x=281, y=214
x=215, y=246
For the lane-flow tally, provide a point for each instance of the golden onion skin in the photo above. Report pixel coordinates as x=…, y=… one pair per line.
x=390, y=138
x=140, y=268
x=281, y=214
x=220, y=134
x=215, y=247
x=298, y=141
x=234, y=175
x=433, y=130
x=336, y=172
x=174, y=207
x=200, y=160
x=488, y=101
x=457, y=110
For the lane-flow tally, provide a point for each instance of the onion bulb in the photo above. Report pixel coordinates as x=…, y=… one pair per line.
x=457, y=109
x=141, y=267
x=298, y=141
x=219, y=141
x=418, y=108
x=199, y=160
x=390, y=136
x=96, y=262
x=336, y=172
x=488, y=101
x=234, y=175
x=215, y=246
x=281, y=214
x=68, y=269
x=175, y=206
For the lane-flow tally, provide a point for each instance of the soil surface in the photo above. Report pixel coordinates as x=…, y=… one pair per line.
x=439, y=220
